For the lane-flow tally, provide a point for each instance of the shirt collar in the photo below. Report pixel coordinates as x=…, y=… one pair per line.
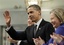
x=38, y=23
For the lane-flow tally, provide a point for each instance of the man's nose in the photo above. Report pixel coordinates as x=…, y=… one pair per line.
x=29, y=16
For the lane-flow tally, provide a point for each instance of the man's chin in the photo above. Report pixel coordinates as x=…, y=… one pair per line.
x=54, y=26
x=34, y=21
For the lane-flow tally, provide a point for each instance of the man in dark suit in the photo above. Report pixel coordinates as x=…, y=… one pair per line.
x=43, y=29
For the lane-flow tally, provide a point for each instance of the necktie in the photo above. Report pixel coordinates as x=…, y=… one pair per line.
x=35, y=29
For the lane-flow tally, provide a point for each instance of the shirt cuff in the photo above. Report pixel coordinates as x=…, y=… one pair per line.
x=7, y=29
x=18, y=43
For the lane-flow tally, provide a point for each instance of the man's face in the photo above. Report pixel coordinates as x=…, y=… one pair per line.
x=33, y=14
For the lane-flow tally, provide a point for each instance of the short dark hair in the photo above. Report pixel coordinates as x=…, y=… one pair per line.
x=36, y=7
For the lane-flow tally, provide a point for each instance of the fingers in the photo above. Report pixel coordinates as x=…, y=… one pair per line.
x=54, y=36
x=51, y=44
x=33, y=39
x=6, y=13
x=7, y=18
x=51, y=36
x=62, y=37
x=40, y=38
x=57, y=35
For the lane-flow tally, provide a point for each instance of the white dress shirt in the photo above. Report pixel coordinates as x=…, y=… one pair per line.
x=38, y=23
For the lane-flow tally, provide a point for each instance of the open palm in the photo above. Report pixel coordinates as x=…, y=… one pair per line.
x=7, y=17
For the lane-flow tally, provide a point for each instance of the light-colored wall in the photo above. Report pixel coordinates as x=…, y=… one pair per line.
x=12, y=3
x=20, y=16
x=49, y=5
x=17, y=17
x=53, y=4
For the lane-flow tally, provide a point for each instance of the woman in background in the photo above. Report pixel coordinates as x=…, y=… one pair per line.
x=57, y=20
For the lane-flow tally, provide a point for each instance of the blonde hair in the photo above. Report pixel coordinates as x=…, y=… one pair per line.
x=59, y=13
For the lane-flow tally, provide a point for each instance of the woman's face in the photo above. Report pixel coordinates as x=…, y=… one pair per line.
x=54, y=20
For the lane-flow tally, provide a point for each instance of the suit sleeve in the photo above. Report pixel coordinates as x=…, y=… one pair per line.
x=16, y=35
x=49, y=30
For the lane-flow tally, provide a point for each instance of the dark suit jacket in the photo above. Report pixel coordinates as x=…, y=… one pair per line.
x=44, y=30
x=11, y=43
x=23, y=42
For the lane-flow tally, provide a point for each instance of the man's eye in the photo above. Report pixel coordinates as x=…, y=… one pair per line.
x=31, y=12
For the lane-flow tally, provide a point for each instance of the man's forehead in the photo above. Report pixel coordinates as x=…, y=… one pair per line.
x=31, y=8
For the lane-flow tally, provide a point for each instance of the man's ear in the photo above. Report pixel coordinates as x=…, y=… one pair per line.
x=39, y=12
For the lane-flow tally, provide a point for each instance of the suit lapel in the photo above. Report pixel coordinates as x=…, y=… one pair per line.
x=32, y=31
x=43, y=22
x=40, y=26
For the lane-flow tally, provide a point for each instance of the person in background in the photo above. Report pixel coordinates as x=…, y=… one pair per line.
x=41, y=27
x=29, y=22
x=57, y=20
x=12, y=42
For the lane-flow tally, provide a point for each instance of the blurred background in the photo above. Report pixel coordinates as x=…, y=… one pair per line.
x=19, y=15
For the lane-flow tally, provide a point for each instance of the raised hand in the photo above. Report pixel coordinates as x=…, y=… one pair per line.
x=41, y=41
x=7, y=18
x=12, y=40
x=38, y=41
x=51, y=44
x=57, y=38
